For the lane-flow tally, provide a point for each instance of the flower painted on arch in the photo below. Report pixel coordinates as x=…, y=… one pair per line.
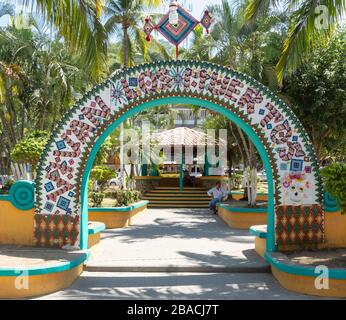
x=118, y=93
x=177, y=74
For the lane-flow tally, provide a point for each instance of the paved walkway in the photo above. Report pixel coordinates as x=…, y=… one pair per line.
x=176, y=240
x=175, y=286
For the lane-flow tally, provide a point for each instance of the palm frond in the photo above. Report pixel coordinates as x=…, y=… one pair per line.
x=79, y=23
x=257, y=8
x=305, y=34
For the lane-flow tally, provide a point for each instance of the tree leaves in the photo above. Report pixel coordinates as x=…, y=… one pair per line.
x=334, y=177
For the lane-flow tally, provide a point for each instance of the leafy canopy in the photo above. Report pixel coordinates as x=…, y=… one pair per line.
x=30, y=148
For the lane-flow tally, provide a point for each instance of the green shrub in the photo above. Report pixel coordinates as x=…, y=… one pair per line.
x=334, y=177
x=91, y=185
x=7, y=186
x=102, y=174
x=124, y=197
x=236, y=180
x=96, y=199
x=30, y=148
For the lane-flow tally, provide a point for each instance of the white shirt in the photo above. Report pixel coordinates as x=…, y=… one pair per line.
x=217, y=193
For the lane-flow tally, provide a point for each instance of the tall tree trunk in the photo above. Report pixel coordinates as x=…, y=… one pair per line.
x=125, y=46
x=246, y=148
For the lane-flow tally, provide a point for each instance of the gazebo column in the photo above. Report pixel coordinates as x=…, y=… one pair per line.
x=181, y=173
x=206, y=166
x=144, y=169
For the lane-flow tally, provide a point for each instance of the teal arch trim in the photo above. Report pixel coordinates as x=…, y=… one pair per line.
x=139, y=204
x=179, y=100
x=241, y=209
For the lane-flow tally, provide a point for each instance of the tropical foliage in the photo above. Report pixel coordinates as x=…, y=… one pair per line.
x=102, y=174
x=30, y=148
x=335, y=180
x=311, y=23
x=46, y=63
x=317, y=92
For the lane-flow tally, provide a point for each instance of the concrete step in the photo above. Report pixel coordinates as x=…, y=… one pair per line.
x=183, y=198
x=172, y=197
x=201, y=269
x=177, y=192
x=178, y=202
x=176, y=205
x=177, y=188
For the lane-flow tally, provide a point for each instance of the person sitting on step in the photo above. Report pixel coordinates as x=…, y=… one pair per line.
x=217, y=193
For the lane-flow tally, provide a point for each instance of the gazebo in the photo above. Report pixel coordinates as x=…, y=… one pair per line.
x=185, y=146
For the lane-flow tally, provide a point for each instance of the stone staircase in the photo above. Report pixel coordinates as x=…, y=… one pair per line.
x=172, y=197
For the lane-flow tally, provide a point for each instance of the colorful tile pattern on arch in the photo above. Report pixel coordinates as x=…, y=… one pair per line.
x=60, y=171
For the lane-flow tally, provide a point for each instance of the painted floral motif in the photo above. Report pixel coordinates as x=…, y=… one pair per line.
x=118, y=94
x=177, y=74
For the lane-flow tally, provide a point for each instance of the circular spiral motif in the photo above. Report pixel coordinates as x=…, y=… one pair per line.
x=22, y=195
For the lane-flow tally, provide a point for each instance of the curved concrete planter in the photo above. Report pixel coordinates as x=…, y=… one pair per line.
x=118, y=217
x=302, y=279
x=260, y=233
x=41, y=280
x=242, y=218
x=237, y=195
x=94, y=231
x=17, y=226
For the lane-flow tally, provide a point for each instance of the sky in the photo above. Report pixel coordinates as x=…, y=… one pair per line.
x=196, y=7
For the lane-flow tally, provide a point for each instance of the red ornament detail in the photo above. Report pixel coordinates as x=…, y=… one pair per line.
x=148, y=28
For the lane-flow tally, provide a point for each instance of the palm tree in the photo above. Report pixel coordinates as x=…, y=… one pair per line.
x=125, y=17
x=253, y=49
x=79, y=22
x=39, y=79
x=307, y=26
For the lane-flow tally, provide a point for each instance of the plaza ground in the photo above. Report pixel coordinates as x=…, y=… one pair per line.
x=176, y=254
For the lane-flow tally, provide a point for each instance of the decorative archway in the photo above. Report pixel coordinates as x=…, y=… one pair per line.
x=295, y=205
